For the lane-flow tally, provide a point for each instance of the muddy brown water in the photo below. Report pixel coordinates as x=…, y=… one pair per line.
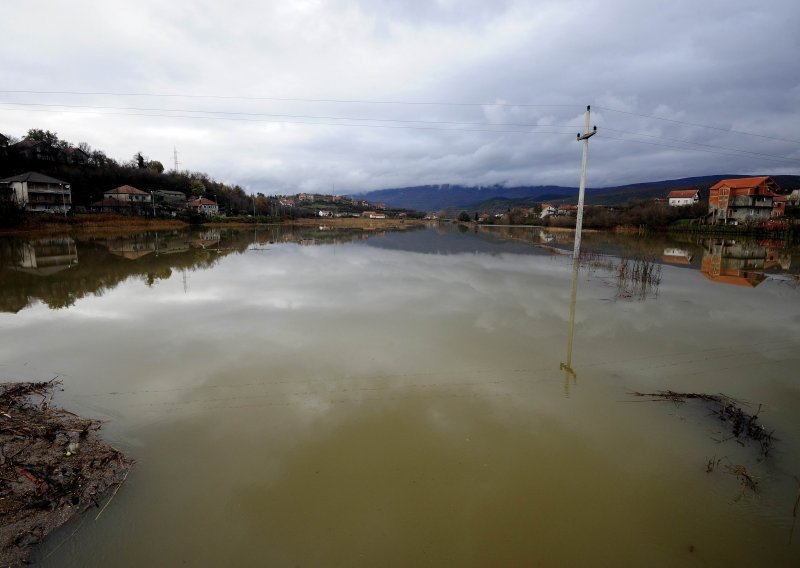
x=308, y=397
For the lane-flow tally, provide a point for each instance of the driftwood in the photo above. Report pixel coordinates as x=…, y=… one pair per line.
x=53, y=466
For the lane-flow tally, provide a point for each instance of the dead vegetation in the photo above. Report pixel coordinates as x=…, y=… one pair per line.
x=637, y=277
x=53, y=466
x=744, y=426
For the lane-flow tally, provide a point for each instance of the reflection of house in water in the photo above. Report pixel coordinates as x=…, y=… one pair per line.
x=206, y=239
x=741, y=263
x=676, y=256
x=46, y=256
x=131, y=247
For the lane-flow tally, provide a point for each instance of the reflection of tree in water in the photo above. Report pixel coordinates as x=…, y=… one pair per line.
x=99, y=263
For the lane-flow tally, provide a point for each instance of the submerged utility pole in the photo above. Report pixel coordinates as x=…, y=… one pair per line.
x=566, y=366
x=579, y=221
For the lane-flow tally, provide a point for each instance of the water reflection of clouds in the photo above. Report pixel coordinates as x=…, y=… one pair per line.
x=307, y=313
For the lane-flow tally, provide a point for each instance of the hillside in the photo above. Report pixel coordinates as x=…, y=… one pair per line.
x=498, y=197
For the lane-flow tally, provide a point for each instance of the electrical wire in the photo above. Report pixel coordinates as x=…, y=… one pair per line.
x=605, y=128
x=698, y=125
x=390, y=126
x=287, y=99
x=790, y=160
x=274, y=115
x=367, y=119
x=386, y=102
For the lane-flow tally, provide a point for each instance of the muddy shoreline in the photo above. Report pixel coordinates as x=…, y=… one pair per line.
x=53, y=466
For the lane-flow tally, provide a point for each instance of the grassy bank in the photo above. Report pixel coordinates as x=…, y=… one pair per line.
x=47, y=223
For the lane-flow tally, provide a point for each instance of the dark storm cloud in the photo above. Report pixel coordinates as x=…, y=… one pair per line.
x=729, y=64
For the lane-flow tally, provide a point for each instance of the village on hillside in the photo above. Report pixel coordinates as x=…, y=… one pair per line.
x=750, y=202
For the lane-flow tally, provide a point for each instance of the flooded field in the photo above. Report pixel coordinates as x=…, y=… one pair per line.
x=428, y=397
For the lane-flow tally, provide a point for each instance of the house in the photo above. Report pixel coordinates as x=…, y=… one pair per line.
x=37, y=192
x=744, y=200
x=683, y=197
x=676, y=256
x=202, y=206
x=547, y=210
x=373, y=215
x=35, y=150
x=111, y=205
x=128, y=193
x=778, y=206
x=124, y=200
x=74, y=156
x=325, y=213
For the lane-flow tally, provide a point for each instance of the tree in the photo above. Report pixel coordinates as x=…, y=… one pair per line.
x=197, y=187
x=139, y=160
x=463, y=217
x=476, y=216
x=155, y=166
x=39, y=135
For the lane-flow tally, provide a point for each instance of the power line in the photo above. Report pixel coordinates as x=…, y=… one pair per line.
x=275, y=115
x=292, y=122
x=698, y=125
x=362, y=119
x=386, y=102
x=692, y=149
x=700, y=144
x=287, y=99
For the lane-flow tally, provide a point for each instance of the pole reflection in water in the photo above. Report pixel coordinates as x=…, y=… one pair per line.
x=566, y=365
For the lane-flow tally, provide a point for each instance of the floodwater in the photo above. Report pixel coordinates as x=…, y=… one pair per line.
x=415, y=398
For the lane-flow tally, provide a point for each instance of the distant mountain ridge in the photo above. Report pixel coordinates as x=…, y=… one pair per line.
x=446, y=196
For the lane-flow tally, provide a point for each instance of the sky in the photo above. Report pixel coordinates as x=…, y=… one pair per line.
x=345, y=96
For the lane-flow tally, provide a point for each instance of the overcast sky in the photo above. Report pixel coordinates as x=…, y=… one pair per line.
x=729, y=64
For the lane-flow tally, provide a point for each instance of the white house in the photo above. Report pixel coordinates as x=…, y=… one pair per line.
x=203, y=206
x=682, y=197
x=38, y=192
x=547, y=210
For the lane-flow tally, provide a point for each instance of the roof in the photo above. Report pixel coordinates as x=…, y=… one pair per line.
x=169, y=192
x=742, y=183
x=27, y=143
x=125, y=190
x=199, y=201
x=34, y=177
x=748, y=281
x=682, y=193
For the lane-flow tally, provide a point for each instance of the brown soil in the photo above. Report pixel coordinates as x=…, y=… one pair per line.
x=42, y=483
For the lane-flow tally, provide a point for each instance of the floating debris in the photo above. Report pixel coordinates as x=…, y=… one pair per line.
x=53, y=466
x=727, y=409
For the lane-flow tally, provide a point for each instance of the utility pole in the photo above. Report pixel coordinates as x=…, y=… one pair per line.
x=566, y=366
x=579, y=222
